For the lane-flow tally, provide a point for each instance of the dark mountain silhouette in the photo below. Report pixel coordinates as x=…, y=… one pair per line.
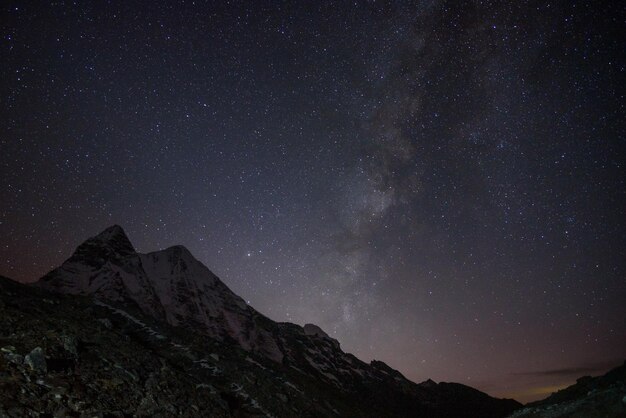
x=120, y=332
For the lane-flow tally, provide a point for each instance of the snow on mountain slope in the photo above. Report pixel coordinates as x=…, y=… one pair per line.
x=192, y=295
x=108, y=267
x=169, y=284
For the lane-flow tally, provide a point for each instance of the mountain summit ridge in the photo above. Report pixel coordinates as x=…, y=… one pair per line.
x=172, y=286
x=116, y=237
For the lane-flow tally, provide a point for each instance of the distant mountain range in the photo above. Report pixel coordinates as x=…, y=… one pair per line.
x=117, y=332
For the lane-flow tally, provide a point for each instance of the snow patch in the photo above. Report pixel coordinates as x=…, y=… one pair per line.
x=128, y=316
x=238, y=390
x=256, y=363
x=215, y=371
x=292, y=386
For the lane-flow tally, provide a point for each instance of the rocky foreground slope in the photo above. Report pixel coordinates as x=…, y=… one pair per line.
x=117, y=332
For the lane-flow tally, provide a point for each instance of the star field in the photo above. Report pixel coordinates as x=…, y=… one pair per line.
x=438, y=185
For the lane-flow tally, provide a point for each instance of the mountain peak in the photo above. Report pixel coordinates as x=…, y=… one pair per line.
x=115, y=237
x=428, y=383
x=110, y=244
x=112, y=230
x=179, y=249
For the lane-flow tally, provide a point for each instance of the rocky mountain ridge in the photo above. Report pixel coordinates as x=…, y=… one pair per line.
x=179, y=311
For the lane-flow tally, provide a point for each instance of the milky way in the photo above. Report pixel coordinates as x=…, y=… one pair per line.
x=440, y=186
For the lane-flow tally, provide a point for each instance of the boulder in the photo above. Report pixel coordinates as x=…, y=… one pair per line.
x=36, y=360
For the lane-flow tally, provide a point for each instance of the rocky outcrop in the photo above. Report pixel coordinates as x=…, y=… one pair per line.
x=314, y=330
x=36, y=361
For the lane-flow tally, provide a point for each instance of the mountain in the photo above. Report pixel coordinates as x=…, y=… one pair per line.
x=170, y=285
x=159, y=334
x=602, y=396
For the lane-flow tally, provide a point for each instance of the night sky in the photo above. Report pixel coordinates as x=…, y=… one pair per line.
x=438, y=185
